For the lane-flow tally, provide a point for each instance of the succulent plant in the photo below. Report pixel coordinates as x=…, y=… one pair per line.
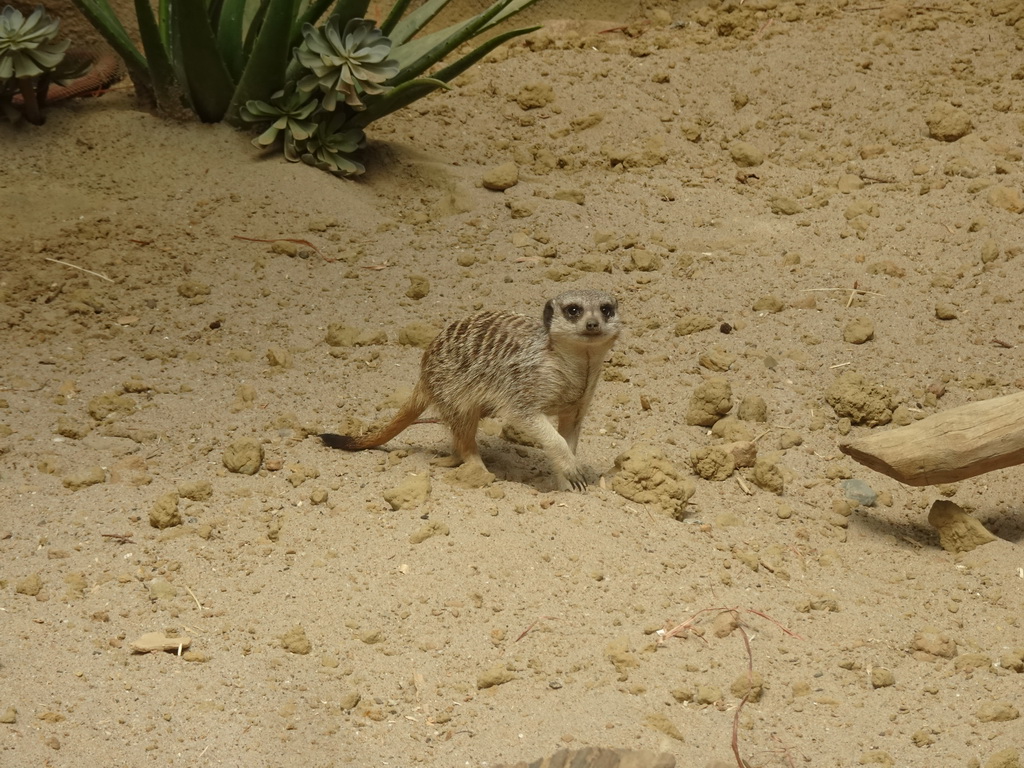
x=229, y=59
x=27, y=46
x=345, y=62
x=331, y=148
x=30, y=59
x=290, y=112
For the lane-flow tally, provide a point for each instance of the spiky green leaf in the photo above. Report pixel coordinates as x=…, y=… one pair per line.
x=264, y=72
x=207, y=80
x=398, y=97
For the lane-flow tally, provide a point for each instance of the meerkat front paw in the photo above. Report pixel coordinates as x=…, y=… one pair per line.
x=576, y=479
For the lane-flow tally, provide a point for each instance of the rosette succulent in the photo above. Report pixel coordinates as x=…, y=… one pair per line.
x=30, y=58
x=289, y=113
x=27, y=46
x=345, y=62
x=331, y=148
x=273, y=64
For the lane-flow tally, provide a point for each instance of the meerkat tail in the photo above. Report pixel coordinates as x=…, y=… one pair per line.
x=406, y=416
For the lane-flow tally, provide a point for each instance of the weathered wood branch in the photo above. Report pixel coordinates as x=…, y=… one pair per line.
x=949, y=446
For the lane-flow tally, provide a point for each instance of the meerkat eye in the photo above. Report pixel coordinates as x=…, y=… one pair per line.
x=572, y=311
x=608, y=310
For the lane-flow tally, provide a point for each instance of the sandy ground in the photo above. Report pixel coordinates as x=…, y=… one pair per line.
x=780, y=170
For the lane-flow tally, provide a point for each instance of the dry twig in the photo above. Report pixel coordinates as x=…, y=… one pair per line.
x=81, y=269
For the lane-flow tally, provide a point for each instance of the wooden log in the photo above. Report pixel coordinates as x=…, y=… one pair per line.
x=949, y=446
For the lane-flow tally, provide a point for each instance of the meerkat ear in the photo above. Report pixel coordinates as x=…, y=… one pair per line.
x=549, y=312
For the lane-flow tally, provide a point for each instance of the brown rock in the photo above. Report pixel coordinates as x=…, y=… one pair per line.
x=244, y=456
x=496, y=675
x=501, y=177
x=1004, y=758
x=1007, y=198
x=746, y=155
x=948, y=123
x=712, y=463
x=859, y=330
x=958, y=531
x=409, y=493
x=933, y=644
x=710, y=402
x=997, y=712
x=862, y=401
x=645, y=476
x=158, y=641
x=83, y=478
x=295, y=640
x=30, y=585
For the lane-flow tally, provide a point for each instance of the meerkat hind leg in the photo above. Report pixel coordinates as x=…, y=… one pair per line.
x=464, y=447
x=555, y=445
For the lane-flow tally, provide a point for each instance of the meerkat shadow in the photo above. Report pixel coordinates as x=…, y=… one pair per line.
x=514, y=462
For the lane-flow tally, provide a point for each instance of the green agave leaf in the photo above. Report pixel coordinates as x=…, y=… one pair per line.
x=404, y=28
x=417, y=56
x=213, y=10
x=264, y=72
x=230, y=40
x=455, y=69
x=509, y=9
x=255, y=25
x=398, y=97
x=105, y=21
x=161, y=74
x=394, y=16
x=164, y=17
x=346, y=9
x=210, y=86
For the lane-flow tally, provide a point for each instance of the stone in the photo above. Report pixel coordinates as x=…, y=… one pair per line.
x=643, y=474
x=501, y=177
x=958, y=531
x=164, y=512
x=997, y=712
x=30, y=585
x=196, y=490
x=1004, y=758
x=428, y=531
x=158, y=641
x=496, y=675
x=933, y=645
x=948, y=123
x=419, y=287
x=882, y=678
x=692, y=324
x=863, y=402
x=417, y=334
x=244, y=456
x=295, y=641
x=409, y=493
x=768, y=476
x=745, y=154
x=712, y=463
x=752, y=408
x=709, y=402
x=1007, y=198
x=860, y=492
x=859, y=330
x=83, y=478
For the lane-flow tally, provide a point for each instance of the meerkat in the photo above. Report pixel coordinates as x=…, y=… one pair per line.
x=518, y=369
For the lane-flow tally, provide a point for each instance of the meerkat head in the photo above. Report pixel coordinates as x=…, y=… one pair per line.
x=588, y=317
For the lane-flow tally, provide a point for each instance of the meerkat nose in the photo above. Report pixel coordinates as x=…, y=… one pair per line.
x=593, y=325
